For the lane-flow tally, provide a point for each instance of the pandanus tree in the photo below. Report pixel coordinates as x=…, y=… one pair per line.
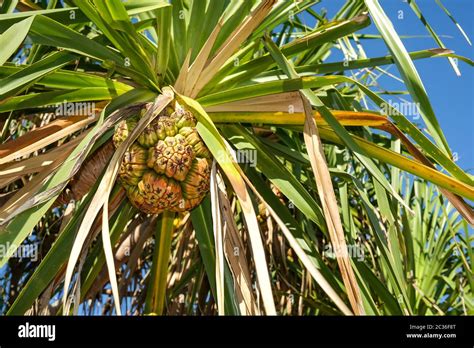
x=203, y=157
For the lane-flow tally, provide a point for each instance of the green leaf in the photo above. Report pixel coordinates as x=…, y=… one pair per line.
x=435, y=36
x=46, y=31
x=344, y=135
x=8, y=6
x=18, y=81
x=318, y=37
x=164, y=43
x=285, y=181
x=23, y=223
x=202, y=223
x=11, y=39
x=57, y=256
x=408, y=72
x=73, y=15
x=112, y=19
x=454, y=21
x=35, y=100
x=65, y=79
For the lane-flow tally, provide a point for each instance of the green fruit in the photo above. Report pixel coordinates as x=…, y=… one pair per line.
x=168, y=166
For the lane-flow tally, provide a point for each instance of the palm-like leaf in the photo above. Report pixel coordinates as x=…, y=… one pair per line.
x=256, y=78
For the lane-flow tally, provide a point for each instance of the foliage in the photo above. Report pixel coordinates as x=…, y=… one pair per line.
x=324, y=199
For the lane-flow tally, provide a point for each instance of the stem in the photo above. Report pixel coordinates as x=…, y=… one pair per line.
x=156, y=293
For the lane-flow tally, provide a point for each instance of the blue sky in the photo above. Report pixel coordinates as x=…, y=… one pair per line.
x=452, y=97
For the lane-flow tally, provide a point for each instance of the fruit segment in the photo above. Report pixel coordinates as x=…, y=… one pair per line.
x=168, y=166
